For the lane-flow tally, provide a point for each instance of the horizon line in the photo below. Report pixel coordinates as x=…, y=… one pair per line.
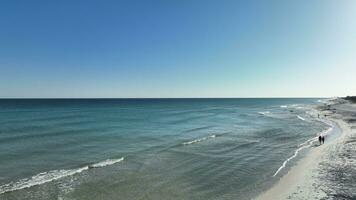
x=24, y=98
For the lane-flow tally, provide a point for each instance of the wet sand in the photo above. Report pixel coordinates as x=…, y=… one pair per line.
x=302, y=181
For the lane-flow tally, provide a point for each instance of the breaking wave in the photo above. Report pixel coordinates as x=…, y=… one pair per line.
x=106, y=163
x=199, y=140
x=53, y=175
x=264, y=113
x=301, y=118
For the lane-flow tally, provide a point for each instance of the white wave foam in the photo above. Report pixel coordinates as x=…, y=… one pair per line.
x=106, y=163
x=327, y=131
x=292, y=106
x=199, y=140
x=264, y=113
x=306, y=144
x=49, y=176
x=323, y=133
x=309, y=142
x=290, y=158
x=301, y=118
x=273, y=114
x=39, y=179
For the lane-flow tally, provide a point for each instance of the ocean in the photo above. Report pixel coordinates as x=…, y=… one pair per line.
x=151, y=148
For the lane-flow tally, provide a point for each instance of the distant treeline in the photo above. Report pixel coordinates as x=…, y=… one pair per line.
x=351, y=98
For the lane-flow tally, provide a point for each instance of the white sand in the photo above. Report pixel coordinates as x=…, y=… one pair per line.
x=301, y=180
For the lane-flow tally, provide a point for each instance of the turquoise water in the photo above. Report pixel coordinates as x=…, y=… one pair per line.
x=149, y=148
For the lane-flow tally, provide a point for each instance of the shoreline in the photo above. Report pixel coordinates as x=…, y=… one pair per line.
x=300, y=181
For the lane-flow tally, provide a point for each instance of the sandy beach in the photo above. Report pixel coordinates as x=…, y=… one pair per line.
x=311, y=177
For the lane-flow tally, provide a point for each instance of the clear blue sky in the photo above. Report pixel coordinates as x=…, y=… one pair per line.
x=182, y=48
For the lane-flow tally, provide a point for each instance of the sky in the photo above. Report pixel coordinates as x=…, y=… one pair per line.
x=177, y=48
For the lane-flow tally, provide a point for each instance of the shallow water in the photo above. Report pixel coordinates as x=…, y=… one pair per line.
x=149, y=148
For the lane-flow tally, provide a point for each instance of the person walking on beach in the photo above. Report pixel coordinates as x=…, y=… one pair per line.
x=323, y=139
x=319, y=139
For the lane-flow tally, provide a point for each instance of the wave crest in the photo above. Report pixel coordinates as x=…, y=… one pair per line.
x=301, y=118
x=199, y=140
x=106, y=163
x=50, y=176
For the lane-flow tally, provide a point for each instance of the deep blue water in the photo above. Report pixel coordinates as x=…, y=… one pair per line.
x=148, y=148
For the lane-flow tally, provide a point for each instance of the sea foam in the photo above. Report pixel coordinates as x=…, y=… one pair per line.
x=106, y=163
x=264, y=113
x=301, y=118
x=199, y=140
x=53, y=175
x=290, y=158
x=306, y=144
